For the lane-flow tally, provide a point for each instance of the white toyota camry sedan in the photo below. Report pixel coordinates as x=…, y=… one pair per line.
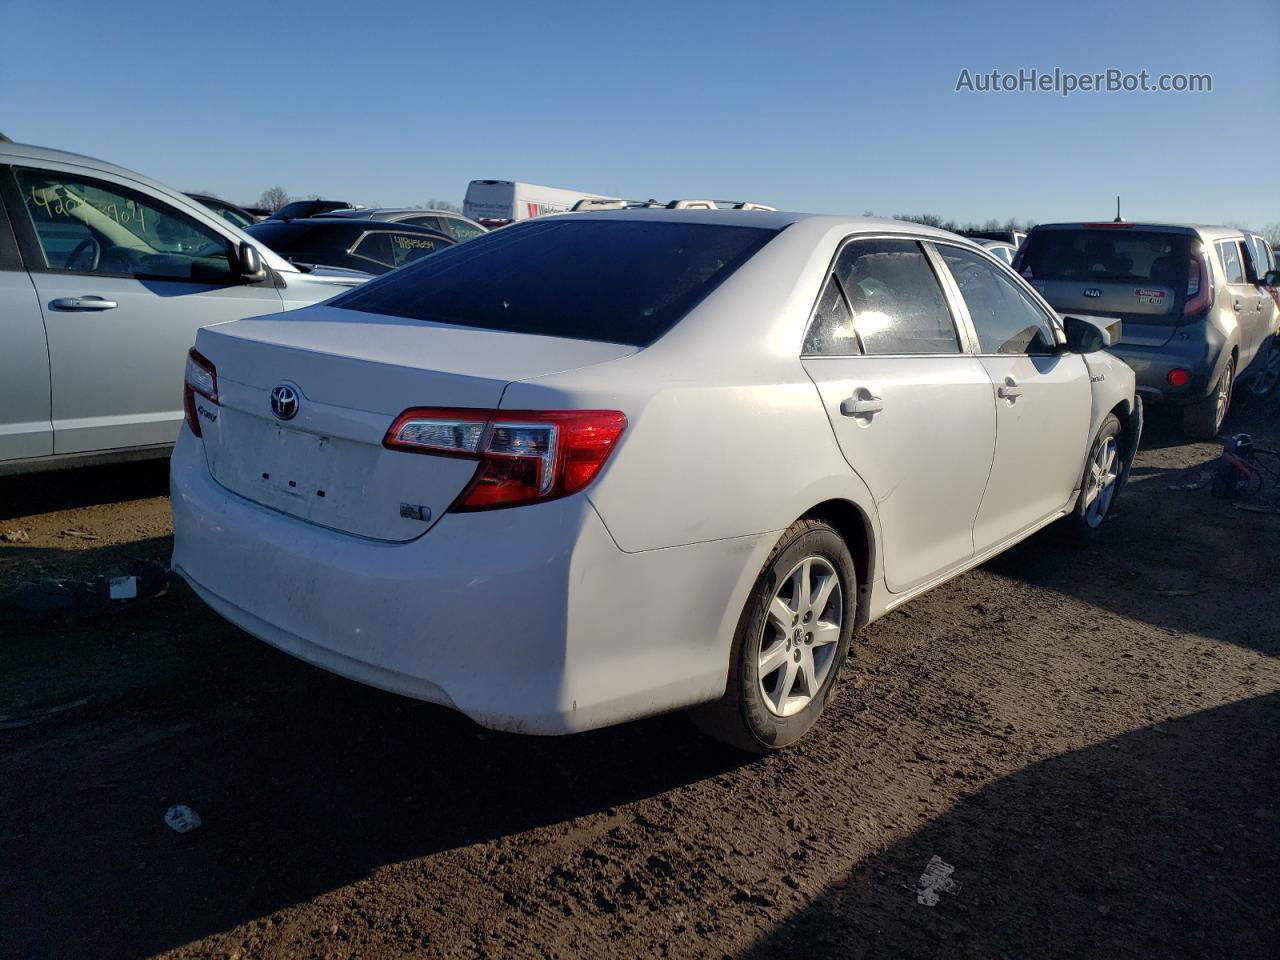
x=594, y=467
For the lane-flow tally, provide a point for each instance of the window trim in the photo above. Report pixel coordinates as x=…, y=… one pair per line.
x=32, y=251
x=1037, y=300
x=963, y=333
x=11, y=257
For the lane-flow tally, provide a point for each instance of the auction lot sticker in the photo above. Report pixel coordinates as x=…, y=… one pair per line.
x=1149, y=296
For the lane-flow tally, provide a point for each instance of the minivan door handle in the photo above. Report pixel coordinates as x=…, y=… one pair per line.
x=82, y=303
x=1009, y=390
x=862, y=404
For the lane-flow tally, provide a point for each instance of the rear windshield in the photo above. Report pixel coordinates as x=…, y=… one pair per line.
x=1106, y=256
x=619, y=281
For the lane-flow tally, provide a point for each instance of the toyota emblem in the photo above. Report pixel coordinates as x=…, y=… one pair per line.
x=284, y=402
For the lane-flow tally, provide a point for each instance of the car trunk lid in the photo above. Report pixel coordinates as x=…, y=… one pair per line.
x=317, y=453
x=1146, y=313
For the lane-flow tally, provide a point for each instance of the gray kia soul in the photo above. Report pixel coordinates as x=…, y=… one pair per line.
x=1188, y=301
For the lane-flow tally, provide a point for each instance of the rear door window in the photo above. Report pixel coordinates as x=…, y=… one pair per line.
x=896, y=304
x=1232, y=266
x=424, y=220
x=618, y=281
x=461, y=229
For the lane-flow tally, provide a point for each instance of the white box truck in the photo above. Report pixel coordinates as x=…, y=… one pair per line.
x=498, y=202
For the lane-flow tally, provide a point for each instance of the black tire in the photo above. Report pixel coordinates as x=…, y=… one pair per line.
x=1203, y=419
x=1262, y=383
x=1086, y=522
x=742, y=717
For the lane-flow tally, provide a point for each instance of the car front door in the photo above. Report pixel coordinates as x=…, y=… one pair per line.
x=911, y=406
x=25, y=426
x=1043, y=399
x=124, y=278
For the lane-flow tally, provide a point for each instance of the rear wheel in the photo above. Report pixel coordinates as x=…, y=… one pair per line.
x=1202, y=420
x=1100, y=482
x=791, y=641
x=1263, y=381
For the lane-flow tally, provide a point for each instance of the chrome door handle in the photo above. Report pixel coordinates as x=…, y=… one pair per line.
x=82, y=303
x=862, y=404
x=1236, y=306
x=1009, y=390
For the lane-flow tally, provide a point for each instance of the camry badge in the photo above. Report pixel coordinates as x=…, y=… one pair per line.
x=284, y=402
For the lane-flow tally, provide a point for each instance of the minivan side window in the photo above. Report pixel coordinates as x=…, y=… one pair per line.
x=91, y=226
x=1006, y=319
x=894, y=299
x=1229, y=253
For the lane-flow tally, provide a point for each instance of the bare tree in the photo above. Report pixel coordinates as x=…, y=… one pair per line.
x=443, y=205
x=274, y=198
x=1271, y=233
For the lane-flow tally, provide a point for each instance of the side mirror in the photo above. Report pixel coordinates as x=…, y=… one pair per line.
x=249, y=262
x=1272, y=279
x=1084, y=336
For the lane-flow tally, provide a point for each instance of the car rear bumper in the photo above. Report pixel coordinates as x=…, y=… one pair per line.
x=529, y=620
x=1197, y=348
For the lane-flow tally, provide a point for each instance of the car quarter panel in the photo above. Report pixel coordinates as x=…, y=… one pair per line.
x=726, y=436
x=555, y=632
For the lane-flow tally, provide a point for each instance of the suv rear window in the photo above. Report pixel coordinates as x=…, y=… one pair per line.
x=1106, y=256
x=618, y=281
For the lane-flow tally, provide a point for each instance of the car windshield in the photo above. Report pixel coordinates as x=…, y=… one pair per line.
x=618, y=281
x=1106, y=255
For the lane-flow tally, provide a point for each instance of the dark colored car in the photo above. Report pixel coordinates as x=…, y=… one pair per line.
x=369, y=245
x=309, y=208
x=446, y=221
x=229, y=212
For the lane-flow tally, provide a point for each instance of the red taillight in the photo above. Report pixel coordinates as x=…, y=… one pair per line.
x=1199, y=286
x=201, y=378
x=526, y=456
x=1179, y=378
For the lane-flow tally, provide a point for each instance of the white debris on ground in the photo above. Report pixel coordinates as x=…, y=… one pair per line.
x=935, y=879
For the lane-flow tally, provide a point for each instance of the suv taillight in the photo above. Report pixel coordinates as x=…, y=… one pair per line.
x=1199, y=286
x=201, y=378
x=525, y=456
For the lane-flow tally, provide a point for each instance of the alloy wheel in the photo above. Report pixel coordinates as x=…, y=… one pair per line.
x=801, y=636
x=1104, y=470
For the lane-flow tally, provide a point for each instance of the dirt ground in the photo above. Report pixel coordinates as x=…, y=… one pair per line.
x=1090, y=738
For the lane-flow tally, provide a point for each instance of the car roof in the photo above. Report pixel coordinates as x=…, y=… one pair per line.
x=1207, y=231
x=376, y=213
x=769, y=219
x=311, y=223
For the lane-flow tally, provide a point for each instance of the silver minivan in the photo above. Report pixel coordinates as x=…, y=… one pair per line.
x=1190, y=304
x=105, y=276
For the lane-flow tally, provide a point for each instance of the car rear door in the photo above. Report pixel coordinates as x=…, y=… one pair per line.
x=1043, y=400
x=124, y=279
x=912, y=408
x=25, y=426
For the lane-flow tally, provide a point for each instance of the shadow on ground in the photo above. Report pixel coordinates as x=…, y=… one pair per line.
x=306, y=783
x=81, y=487
x=1161, y=843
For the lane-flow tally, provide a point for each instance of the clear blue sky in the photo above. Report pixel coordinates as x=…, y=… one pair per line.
x=809, y=106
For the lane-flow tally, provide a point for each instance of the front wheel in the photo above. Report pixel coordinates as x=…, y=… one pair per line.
x=1100, y=482
x=791, y=641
